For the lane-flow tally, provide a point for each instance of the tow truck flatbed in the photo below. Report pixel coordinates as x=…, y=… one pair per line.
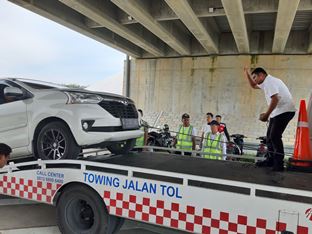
x=227, y=170
x=180, y=192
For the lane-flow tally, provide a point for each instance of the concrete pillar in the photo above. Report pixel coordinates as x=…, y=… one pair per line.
x=216, y=84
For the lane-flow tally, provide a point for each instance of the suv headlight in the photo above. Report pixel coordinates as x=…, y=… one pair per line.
x=82, y=98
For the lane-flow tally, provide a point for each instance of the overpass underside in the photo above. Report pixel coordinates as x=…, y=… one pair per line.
x=175, y=28
x=178, y=46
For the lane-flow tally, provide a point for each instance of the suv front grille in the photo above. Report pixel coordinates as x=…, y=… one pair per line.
x=119, y=109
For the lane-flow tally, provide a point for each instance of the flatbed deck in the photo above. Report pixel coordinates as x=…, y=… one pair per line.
x=228, y=170
x=181, y=192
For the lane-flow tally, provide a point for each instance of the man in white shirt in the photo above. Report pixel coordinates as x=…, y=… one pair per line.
x=206, y=127
x=280, y=111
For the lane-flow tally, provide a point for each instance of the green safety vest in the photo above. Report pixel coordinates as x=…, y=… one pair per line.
x=140, y=141
x=184, y=138
x=212, y=147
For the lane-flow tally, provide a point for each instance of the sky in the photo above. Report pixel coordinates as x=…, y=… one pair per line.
x=34, y=47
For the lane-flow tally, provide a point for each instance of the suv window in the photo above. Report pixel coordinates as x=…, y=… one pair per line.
x=2, y=99
x=8, y=83
x=38, y=86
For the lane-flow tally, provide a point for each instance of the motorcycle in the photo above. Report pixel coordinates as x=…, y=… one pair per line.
x=236, y=146
x=162, y=138
x=262, y=147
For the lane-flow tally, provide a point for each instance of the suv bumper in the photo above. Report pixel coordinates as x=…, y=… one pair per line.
x=91, y=138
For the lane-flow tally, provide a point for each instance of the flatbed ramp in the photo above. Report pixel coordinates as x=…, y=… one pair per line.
x=179, y=192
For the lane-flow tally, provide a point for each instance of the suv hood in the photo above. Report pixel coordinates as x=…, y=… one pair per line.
x=102, y=94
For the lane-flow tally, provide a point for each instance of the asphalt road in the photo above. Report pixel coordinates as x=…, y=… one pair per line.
x=24, y=217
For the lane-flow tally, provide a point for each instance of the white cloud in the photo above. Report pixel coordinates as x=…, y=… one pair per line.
x=21, y=43
x=112, y=84
x=34, y=47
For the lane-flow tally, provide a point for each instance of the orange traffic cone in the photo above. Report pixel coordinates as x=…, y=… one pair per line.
x=302, y=152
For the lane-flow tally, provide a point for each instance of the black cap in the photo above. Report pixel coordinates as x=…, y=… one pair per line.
x=214, y=122
x=5, y=149
x=185, y=116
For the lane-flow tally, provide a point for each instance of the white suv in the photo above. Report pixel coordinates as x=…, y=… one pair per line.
x=56, y=122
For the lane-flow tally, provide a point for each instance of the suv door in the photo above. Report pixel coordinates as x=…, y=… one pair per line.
x=13, y=120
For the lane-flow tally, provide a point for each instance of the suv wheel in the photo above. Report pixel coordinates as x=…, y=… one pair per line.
x=122, y=147
x=55, y=141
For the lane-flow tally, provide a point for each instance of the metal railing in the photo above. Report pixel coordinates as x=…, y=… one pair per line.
x=197, y=153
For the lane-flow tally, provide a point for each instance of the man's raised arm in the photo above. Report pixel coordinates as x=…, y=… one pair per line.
x=249, y=78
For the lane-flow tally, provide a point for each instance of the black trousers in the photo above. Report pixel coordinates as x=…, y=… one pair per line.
x=275, y=145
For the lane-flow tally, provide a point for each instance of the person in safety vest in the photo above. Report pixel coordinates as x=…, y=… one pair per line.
x=222, y=127
x=141, y=141
x=5, y=152
x=185, y=139
x=214, y=143
x=206, y=127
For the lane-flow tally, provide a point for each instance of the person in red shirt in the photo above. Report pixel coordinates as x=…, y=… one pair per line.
x=222, y=127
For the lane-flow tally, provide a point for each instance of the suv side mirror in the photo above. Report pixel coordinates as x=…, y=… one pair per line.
x=13, y=92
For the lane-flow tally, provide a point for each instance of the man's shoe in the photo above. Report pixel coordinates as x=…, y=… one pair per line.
x=278, y=169
x=265, y=163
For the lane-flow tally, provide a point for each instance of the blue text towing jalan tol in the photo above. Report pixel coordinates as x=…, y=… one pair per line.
x=145, y=187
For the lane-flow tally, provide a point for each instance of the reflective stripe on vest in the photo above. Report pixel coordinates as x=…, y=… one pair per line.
x=212, y=147
x=184, y=138
x=140, y=141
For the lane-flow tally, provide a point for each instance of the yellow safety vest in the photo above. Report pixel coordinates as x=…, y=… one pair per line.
x=140, y=141
x=184, y=138
x=212, y=147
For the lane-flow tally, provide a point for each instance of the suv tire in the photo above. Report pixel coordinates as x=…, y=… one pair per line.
x=55, y=141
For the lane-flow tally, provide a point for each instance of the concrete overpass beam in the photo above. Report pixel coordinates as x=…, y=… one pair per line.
x=67, y=17
x=285, y=17
x=137, y=10
x=235, y=15
x=212, y=8
x=310, y=39
x=91, y=24
x=87, y=9
x=186, y=14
